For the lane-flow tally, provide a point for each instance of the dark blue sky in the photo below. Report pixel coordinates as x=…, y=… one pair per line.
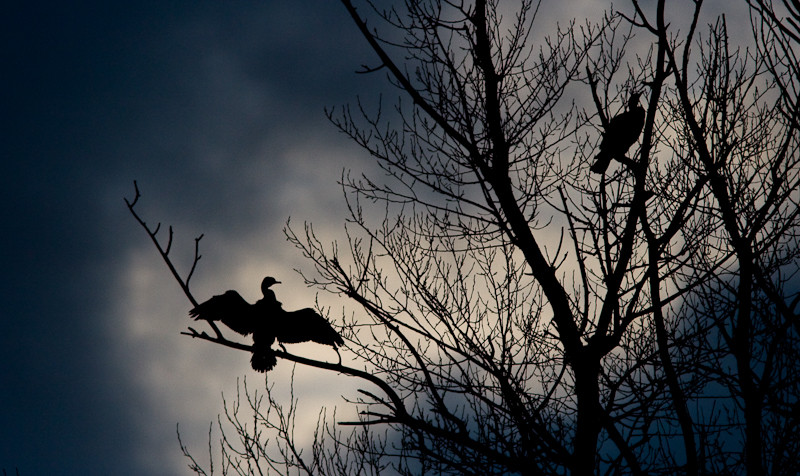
x=216, y=108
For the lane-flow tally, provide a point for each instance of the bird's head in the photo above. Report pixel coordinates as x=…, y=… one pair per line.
x=268, y=281
x=634, y=100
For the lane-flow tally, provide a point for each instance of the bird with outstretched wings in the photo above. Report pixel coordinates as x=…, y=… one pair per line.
x=267, y=321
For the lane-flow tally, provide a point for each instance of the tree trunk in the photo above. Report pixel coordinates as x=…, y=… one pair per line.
x=587, y=392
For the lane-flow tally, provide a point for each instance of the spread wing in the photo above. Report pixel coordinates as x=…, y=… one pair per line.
x=306, y=325
x=230, y=308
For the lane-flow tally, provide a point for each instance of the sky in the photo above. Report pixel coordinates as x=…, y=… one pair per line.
x=216, y=109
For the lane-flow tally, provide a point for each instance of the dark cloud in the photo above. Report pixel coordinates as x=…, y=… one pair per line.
x=210, y=106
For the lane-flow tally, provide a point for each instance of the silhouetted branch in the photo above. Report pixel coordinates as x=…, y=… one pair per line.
x=593, y=87
x=766, y=10
x=184, y=284
x=397, y=403
x=366, y=69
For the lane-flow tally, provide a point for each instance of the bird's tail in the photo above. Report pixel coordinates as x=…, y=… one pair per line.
x=263, y=360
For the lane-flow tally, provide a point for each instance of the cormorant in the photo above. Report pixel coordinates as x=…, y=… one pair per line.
x=622, y=132
x=267, y=321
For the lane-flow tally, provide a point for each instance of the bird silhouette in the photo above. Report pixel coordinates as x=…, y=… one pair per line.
x=623, y=130
x=267, y=321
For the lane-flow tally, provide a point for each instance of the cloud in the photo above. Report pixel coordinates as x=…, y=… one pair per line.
x=245, y=160
x=182, y=380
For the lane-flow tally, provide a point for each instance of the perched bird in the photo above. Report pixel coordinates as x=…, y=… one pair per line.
x=622, y=132
x=267, y=321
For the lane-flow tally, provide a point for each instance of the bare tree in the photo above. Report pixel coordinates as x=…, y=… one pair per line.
x=521, y=314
